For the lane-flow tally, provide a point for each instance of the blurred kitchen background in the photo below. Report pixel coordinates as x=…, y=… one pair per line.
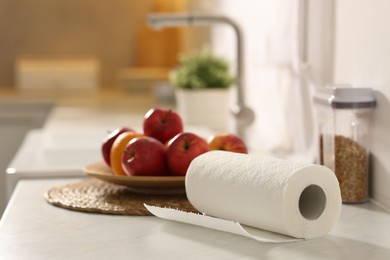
x=70, y=70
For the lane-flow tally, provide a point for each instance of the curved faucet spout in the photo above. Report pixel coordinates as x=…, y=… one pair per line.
x=244, y=115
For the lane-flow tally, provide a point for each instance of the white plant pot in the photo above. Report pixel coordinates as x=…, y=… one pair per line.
x=206, y=107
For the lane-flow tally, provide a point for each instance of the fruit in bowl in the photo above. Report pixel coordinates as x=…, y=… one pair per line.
x=117, y=150
x=163, y=148
x=144, y=156
x=227, y=142
x=109, y=140
x=182, y=149
x=162, y=124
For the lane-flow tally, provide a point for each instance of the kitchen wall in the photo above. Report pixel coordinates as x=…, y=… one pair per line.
x=362, y=58
x=111, y=31
x=104, y=29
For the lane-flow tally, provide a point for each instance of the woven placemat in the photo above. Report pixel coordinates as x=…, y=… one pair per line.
x=93, y=195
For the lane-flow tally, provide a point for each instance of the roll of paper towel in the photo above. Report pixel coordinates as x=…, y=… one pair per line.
x=291, y=198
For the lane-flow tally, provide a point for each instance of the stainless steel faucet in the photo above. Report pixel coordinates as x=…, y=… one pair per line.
x=244, y=115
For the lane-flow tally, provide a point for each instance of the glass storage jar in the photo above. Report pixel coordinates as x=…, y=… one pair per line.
x=343, y=117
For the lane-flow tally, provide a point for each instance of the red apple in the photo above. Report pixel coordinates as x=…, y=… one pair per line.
x=227, y=142
x=162, y=124
x=182, y=149
x=144, y=156
x=109, y=140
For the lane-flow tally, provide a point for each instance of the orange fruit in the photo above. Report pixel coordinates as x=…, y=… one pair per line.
x=117, y=149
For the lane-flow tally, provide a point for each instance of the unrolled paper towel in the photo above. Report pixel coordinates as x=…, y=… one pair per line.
x=286, y=197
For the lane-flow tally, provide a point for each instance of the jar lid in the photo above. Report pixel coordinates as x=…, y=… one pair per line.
x=345, y=96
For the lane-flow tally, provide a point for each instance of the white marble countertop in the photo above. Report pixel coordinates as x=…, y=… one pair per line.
x=33, y=229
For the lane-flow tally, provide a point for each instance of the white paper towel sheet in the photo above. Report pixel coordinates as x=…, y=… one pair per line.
x=297, y=200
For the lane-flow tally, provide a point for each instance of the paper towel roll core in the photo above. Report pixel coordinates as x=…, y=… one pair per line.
x=312, y=202
x=291, y=198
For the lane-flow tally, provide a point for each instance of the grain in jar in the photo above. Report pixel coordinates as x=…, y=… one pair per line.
x=343, y=116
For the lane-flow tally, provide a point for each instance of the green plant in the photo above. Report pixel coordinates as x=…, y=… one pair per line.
x=200, y=70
